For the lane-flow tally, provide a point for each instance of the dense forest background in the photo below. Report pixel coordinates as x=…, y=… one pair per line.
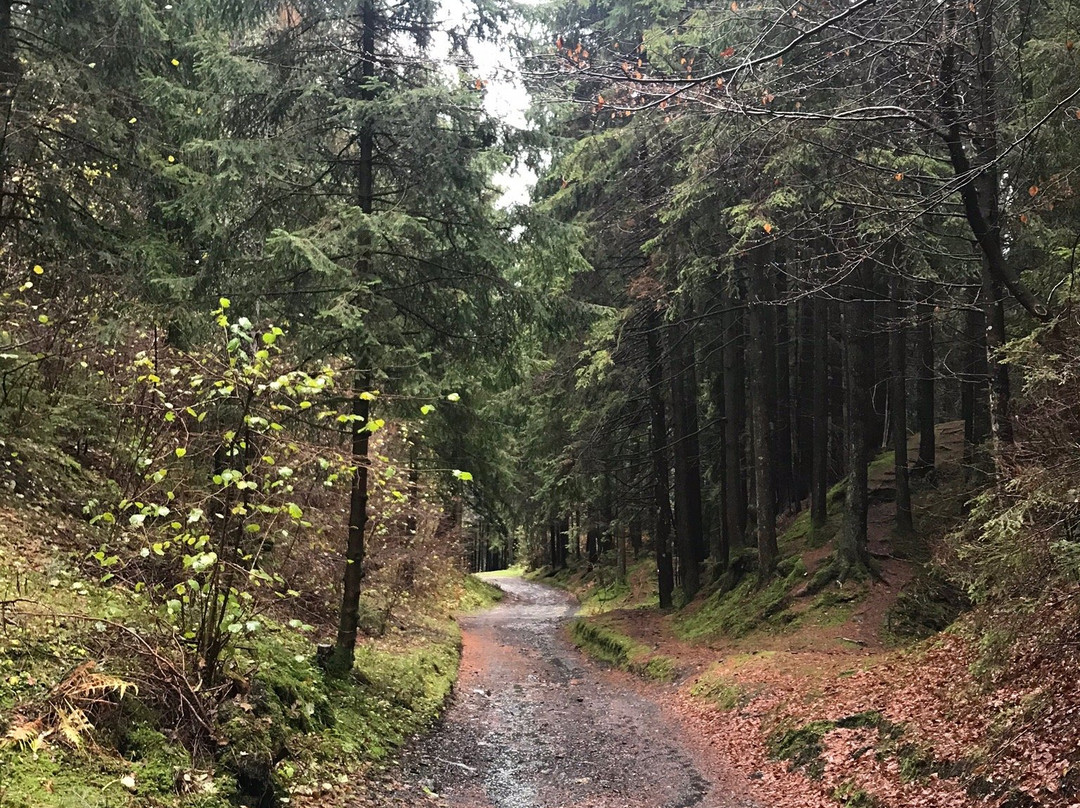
x=276, y=367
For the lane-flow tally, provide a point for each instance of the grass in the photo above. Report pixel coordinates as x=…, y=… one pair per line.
x=598, y=592
x=478, y=594
x=617, y=649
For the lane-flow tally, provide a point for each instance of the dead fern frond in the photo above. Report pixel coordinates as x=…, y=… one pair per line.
x=65, y=714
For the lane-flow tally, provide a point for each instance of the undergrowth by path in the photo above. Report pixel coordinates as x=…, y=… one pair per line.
x=81, y=701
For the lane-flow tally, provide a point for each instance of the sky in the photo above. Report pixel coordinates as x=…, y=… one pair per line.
x=505, y=98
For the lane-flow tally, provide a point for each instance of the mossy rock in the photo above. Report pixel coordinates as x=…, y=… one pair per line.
x=928, y=605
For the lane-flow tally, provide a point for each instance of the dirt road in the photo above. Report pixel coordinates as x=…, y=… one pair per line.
x=534, y=725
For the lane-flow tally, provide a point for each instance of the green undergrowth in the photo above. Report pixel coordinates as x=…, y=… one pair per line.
x=599, y=591
x=610, y=646
x=516, y=571
x=288, y=732
x=746, y=608
x=801, y=535
x=282, y=729
x=478, y=594
x=928, y=605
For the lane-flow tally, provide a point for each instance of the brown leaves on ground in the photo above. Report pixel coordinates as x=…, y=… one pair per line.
x=960, y=741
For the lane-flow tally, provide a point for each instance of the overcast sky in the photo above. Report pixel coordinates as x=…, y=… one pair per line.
x=505, y=98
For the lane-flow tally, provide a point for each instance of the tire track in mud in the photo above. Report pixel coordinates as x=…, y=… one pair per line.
x=535, y=725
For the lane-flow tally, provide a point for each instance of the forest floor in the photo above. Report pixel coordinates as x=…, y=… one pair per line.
x=864, y=694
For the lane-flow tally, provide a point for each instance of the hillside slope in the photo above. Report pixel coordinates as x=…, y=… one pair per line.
x=873, y=693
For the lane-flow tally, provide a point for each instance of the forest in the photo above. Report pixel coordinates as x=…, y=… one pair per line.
x=707, y=434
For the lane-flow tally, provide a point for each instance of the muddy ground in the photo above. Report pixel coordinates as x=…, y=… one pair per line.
x=535, y=725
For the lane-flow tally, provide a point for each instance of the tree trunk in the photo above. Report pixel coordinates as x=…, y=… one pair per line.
x=1001, y=428
x=719, y=543
x=735, y=418
x=974, y=392
x=341, y=660
x=762, y=357
x=689, y=539
x=853, y=549
x=927, y=374
x=979, y=178
x=634, y=529
x=803, y=398
x=658, y=440
x=785, y=471
x=898, y=403
x=819, y=506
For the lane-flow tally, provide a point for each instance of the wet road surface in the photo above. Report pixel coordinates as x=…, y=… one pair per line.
x=535, y=725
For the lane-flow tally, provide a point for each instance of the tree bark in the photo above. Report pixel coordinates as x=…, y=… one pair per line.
x=762, y=358
x=734, y=417
x=853, y=549
x=719, y=542
x=927, y=374
x=803, y=399
x=658, y=441
x=898, y=402
x=785, y=471
x=689, y=538
x=819, y=508
x=1001, y=428
x=341, y=660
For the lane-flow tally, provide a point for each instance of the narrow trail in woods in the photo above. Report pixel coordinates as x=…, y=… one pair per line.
x=535, y=725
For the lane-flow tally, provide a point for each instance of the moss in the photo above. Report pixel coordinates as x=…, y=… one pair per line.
x=746, y=608
x=718, y=691
x=871, y=719
x=916, y=762
x=478, y=594
x=928, y=605
x=801, y=746
x=849, y=795
x=157, y=761
x=605, y=644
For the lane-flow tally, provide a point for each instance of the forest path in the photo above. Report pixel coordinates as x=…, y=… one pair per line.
x=535, y=725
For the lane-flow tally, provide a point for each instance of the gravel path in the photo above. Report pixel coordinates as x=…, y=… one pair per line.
x=534, y=725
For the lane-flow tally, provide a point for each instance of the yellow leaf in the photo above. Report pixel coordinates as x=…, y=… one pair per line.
x=38, y=270
x=176, y=63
